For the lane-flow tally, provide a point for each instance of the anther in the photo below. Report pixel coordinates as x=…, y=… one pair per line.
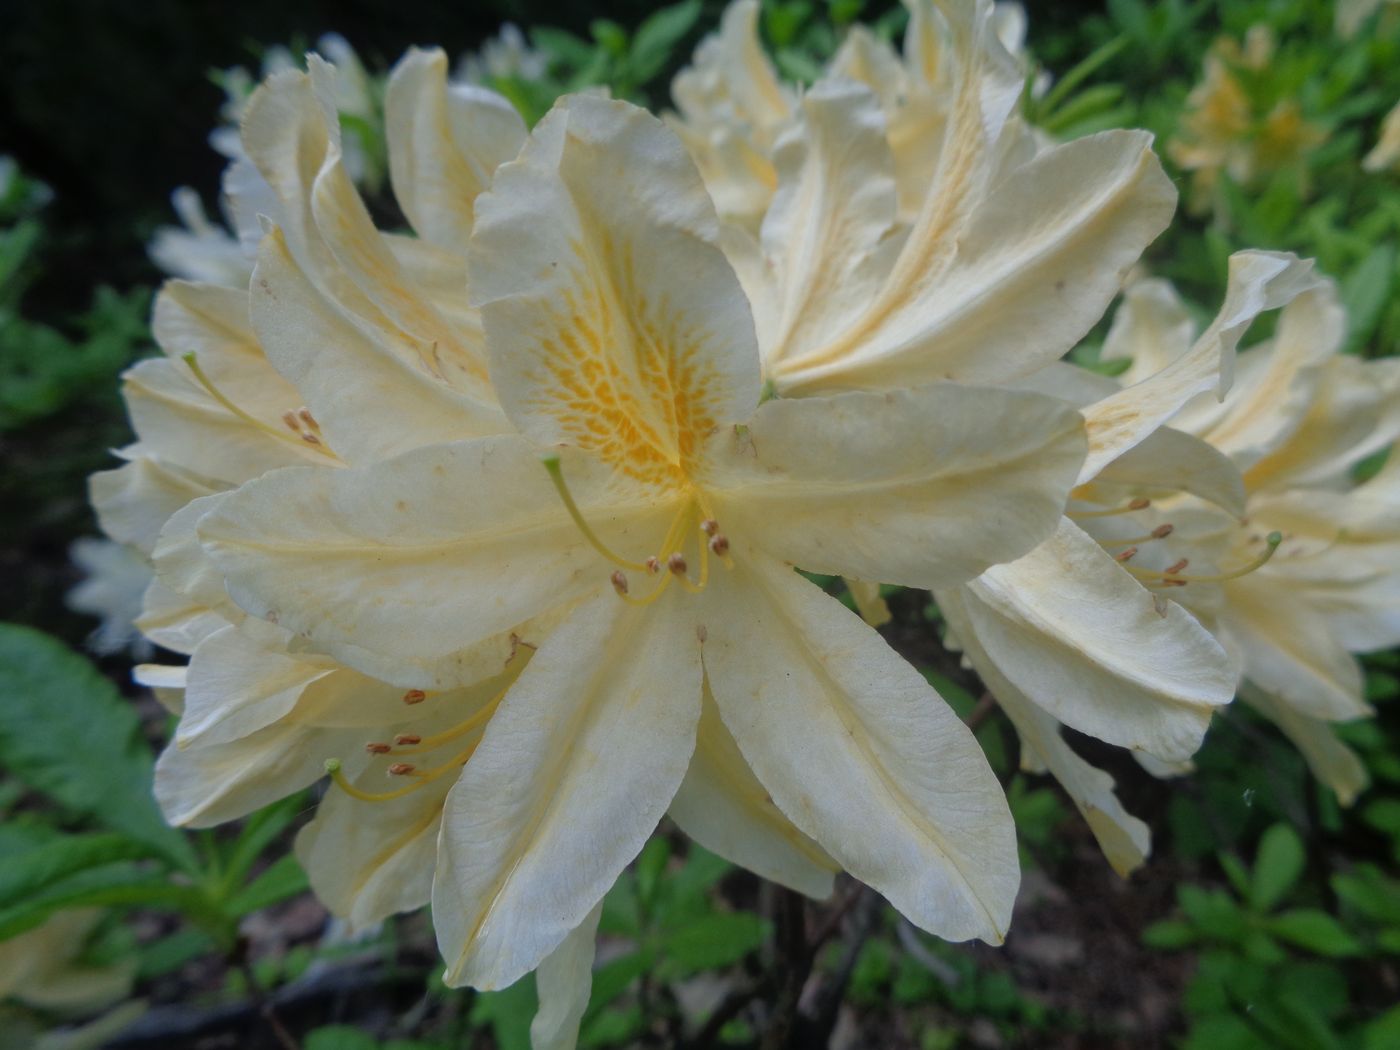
x=1139, y=504
x=308, y=418
x=653, y=565
x=414, y=696
x=619, y=581
x=676, y=563
x=290, y=418
x=311, y=439
x=1125, y=555
x=709, y=526
x=719, y=544
x=378, y=748
x=407, y=739
x=1176, y=567
x=1161, y=532
x=401, y=769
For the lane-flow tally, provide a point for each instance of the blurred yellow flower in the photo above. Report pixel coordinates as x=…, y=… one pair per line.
x=1385, y=155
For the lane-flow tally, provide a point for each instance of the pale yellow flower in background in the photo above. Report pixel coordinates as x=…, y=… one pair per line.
x=43, y=968
x=1222, y=133
x=1385, y=155
x=661, y=539
x=1352, y=14
x=1300, y=416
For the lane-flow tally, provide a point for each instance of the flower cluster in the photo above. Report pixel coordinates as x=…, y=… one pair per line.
x=496, y=521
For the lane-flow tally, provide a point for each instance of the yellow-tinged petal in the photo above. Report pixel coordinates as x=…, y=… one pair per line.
x=1150, y=330
x=1259, y=281
x=859, y=751
x=722, y=806
x=415, y=559
x=1331, y=761
x=1082, y=639
x=979, y=296
x=134, y=501
x=1125, y=840
x=614, y=322
x=445, y=141
x=580, y=761
x=924, y=488
x=564, y=982
x=1174, y=461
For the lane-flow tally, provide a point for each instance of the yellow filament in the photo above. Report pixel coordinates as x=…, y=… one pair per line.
x=428, y=743
x=1137, y=504
x=1134, y=541
x=556, y=474
x=1273, y=541
x=677, y=525
x=420, y=778
x=217, y=395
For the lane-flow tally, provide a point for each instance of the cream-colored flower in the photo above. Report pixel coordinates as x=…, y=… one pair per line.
x=1352, y=14
x=1223, y=130
x=660, y=541
x=43, y=968
x=1385, y=155
x=1320, y=551
x=115, y=579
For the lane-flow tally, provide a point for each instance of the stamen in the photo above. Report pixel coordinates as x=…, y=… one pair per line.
x=407, y=738
x=419, y=744
x=676, y=563
x=214, y=392
x=290, y=418
x=1137, y=504
x=653, y=564
x=308, y=418
x=1177, y=567
x=1172, y=577
x=709, y=526
x=556, y=474
x=401, y=769
x=719, y=544
x=1161, y=532
x=1125, y=555
x=378, y=749
x=619, y=581
x=414, y=696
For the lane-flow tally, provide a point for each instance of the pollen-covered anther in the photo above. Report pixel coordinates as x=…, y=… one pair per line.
x=407, y=739
x=293, y=424
x=310, y=439
x=709, y=527
x=1177, y=566
x=304, y=414
x=653, y=564
x=401, y=769
x=719, y=544
x=1161, y=532
x=619, y=581
x=1125, y=555
x=414, y=696
x=377, y=748
x=676, y=563
x=1141, y=503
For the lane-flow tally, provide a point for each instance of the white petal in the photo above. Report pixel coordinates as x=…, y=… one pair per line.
x=924, y=488
x=134, y=501
x=1331, y=761
x=1171, y=460
x=564, y=982
x=578, y=764
x=859, y=751
x=722, y=806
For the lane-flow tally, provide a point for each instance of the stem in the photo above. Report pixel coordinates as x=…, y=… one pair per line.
x=795, y=958
x=239, y=957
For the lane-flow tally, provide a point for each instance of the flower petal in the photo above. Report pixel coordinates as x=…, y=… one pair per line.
x=613, y=320
x=925, y=488
x=580, y=761
x=564, y=982
x=859, y=751
x=134, y=501
x=420, y=557
x=1331, y=761
x=1174, y=461
x=722, y=806
x=1078, y=636
x=445, y=141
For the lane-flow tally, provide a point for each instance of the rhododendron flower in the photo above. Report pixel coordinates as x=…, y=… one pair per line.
x=1385, y=155
x=658, y=537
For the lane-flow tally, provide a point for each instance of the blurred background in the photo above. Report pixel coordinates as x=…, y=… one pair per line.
x=105, y=109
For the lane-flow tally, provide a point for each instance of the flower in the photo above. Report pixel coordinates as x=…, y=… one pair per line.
x=507, y=55
x=1386, y=152
x=1321, y=548
x=1236, y=124
x=115, y=583
x=43, y=967
x=659, y=542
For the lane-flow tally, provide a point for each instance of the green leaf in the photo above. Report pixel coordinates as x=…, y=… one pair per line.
x=30, y=871
x=711, y=942
x=1384, y=1032
x=67, y=732
x=339, y=1037
x=657, y=37
x=285, y=878
x=1365, y=292
x=114, y=887
x=1169, y=935
x=1315, y=931
x=1276, y=867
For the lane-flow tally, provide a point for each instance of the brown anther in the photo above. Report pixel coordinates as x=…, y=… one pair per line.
x=407, y=739
x=1125, y=555
x=290, y=418
x=653, y=565
x=310, y=439
x=676, y=563
x=414, y=696
x=709, y=526
x=401, y=769
x=1162, y=531
x=1177, y=566
x=306, y=417
x=619, y=581
x=378, y=749
x=719, y=544
x=1140, y=503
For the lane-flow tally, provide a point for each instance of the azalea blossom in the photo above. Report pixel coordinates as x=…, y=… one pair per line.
x=1320, y=550
x=1385, y=155
x=114, y=584
x=657, y=535
x=42, y=967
